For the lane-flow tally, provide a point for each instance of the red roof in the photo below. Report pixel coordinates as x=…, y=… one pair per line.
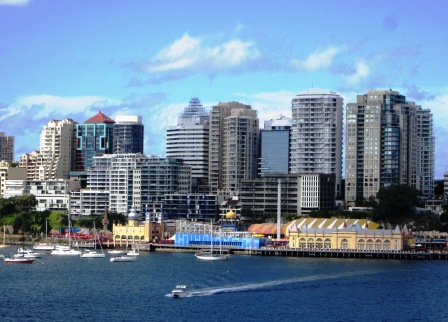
x=100, y=118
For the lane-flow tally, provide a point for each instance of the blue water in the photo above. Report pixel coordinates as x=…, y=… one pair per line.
x=245, y=288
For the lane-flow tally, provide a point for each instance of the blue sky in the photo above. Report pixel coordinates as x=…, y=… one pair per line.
x=67, y=58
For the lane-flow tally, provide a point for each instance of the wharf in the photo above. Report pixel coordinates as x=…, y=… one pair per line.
x=329, y=253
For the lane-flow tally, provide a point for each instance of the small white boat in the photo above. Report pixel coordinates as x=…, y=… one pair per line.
x=133, y=252
x=179, y=291
x=116, y=252
x=26, y=253
x=65, y=251
x=208, y=256
x=123, y=259
x=44, y=246
x=92, y=254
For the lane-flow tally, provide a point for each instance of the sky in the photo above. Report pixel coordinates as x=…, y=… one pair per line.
x=71, y=58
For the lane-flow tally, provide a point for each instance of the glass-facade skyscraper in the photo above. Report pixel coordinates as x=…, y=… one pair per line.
x=93, y=138
x=128, y=134
x=274, y=152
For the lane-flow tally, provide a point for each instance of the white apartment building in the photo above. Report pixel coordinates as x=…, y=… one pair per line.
x=89, y=202
x=316, y=135
x=233, y=148
x=189, y=141
x=10, y=173
x=56, y=156
x=50, y=194
x=134, y=179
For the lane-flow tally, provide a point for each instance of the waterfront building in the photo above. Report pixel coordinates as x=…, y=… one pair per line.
x=28, y=161
x=204, y=234
x=348, y=237
x=316, y=135
x=50, y=194
x=85, y=202
x=128, y=134
x=6, y=147
x=388, y=141
x=93, y=138
x=10, y=173
x=189, y=141
x=233, y=148
x=134, y=179
x=139, y=230
x=275, y=142
x=300, y=194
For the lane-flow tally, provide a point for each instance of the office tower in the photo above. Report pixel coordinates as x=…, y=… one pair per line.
x=275, y=141
x=388, y=141
x=128, y=134
x=233, y=149
x=316, y=135
x=6, y=147
x=189, y=141
x=134, y=179
x=93, y=138
x=425, y=153
x=55, y=158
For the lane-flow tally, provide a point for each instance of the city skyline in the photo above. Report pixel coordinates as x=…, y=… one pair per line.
x=69, y=59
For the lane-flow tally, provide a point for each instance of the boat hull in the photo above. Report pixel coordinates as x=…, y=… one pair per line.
x=123, y=259
x=212, y=257
x=19, y=260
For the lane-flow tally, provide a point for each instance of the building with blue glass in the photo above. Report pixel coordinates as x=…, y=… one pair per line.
x=93, y=138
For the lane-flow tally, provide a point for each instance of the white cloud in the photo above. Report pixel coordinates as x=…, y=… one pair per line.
x=42, y=106
x=193, y=53
x=17, y=3
x=320, y=59
x=362, y=71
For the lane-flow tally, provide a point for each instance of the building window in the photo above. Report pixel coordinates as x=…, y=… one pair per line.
x=362, y=244
x=319, y=243
x=310, y=243
x=302, y=243
x=327, y=243
x=344, y=244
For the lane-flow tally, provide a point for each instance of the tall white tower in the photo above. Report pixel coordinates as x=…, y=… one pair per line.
x=189, y=141
x=56, y=150
x=316, y=138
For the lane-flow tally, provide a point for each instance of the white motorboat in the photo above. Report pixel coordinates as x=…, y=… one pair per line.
x=65, y=251
x=92, y=254
x=44, y=246
x=26, y=253
x=123, y=259
x=133, y=252
x=179, y=291
x=116, y=252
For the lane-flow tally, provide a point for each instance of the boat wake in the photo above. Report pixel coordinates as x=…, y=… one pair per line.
x=255, y=286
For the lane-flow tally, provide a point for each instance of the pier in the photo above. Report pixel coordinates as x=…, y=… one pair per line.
x=328, y=253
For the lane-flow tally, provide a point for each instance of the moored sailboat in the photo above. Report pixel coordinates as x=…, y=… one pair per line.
x=210, y=255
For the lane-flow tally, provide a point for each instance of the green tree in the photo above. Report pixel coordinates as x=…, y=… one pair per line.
x=396, y=204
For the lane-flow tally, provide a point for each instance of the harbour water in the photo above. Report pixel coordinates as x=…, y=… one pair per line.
x=244, y=288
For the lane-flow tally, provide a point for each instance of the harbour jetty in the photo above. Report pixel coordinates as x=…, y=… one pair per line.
x=328, y=253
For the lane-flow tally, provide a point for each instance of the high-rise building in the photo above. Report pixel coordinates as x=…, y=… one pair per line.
x=388, y=141
x=55, y=159
x=93, y=138
x=128, y=134
x=425, y=153
x=275, y=141
x=233, y=148
x=6, y=147
x=316, y=135
x=189, y=141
